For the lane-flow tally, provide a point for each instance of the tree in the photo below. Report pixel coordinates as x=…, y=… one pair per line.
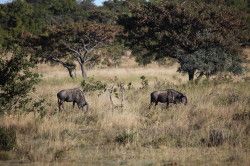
x=111, y=54
x=73, y=42
x=16, y=18
x=179, y=30
x=210, y=61
x=16, y=81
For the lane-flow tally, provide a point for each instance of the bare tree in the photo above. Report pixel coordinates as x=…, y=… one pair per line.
x=74, y=42
x=79, y=41
x=71, y=67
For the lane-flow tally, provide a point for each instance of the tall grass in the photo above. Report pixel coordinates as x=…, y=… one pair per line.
x=214, y=127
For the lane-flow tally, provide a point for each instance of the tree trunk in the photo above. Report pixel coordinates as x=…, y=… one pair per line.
x=70, y=72
x=83, y=70
x=191, y=75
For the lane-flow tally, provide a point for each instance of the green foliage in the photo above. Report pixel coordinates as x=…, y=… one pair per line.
x=210, y=61
x=239, y=4
x=90, y=85
x=18, y=19
x=22, y=18
x=184, y=32
x=59, y=7
x=115, y=8
x=125, y=137
x=7, y=138
x=111, y=54
x=16, y=81
x=130, y=85
x=144, y=82
x=40, y=106
x=5, y=155
x=215, y=138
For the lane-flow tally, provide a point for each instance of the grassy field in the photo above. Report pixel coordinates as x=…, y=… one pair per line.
x=213, y=128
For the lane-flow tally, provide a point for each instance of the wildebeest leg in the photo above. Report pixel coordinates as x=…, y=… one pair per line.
x=79, y=107
x=74, y=104
x=60, y=104
x=63, y=105
x=167, y=104
x=86, y=107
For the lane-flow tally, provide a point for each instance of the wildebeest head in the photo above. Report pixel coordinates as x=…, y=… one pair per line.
x=83, y=102
x=181, y=99
x=184, y=99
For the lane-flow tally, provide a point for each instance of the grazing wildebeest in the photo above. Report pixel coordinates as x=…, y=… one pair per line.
x=72, y=95
x=167, y=96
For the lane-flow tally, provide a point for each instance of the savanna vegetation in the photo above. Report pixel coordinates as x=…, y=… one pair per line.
x=118, y=53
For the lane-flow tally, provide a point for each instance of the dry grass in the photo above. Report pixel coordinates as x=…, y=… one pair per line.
x=135, y=135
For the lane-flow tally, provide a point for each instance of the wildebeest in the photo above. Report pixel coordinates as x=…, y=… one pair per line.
x=167, y=96
x=72, y=95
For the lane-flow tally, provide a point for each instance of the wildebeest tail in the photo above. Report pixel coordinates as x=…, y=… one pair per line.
x=87, y=107
x=152, y=99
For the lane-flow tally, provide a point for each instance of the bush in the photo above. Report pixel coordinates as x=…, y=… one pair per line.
x=215, y=138
x=7, y=138
x=90, y=85
x=211, y=61
x=16, y=81
x=144, y=82
x=4, y=155
x=125, y=137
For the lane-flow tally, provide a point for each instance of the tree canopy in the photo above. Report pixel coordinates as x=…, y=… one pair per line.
x=154, y=29
x=183, y=31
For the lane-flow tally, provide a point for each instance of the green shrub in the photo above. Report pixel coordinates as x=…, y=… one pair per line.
x=215, y=138
x=7, y=138
x=90, y=85
x=144, y=82
x=17, y=80
x=130, y=85
x=125, y=137
x=4, y=155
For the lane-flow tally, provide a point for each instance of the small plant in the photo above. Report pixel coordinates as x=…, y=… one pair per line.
x=130, y=85
x=4, y=155
x=144, y=82
x=215, y=138
x=244, y=116
x=40, y=107
x=91, y=85
x=7, y=138
x=125, y=137
x=118, y=90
